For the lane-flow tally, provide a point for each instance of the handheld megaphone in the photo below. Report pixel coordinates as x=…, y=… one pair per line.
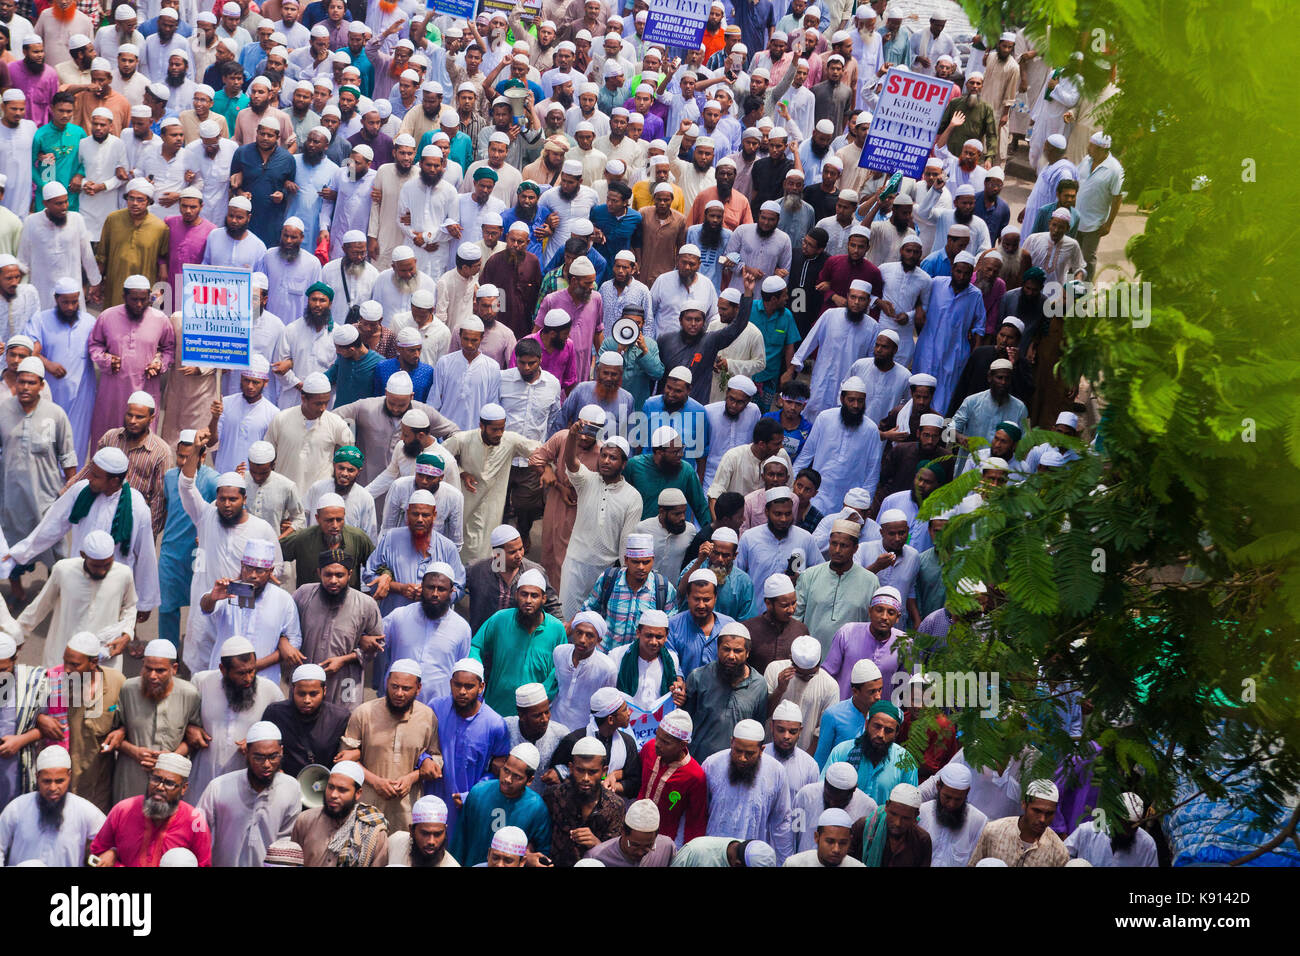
x=625, y=331
x=518, y=97
x=311, y=783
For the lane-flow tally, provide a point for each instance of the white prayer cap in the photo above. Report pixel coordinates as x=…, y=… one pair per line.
x=842, y=776
x=261, y=453
x=834, y=816
x=100, y=65
x=231, y=479
x=863, y=671
x=582, y=267
x=730, y=295
x=673, y=498
x=351, y=769
x=743, y=383
x=173, y=763
x=53, y=190
x=178, y=855
x=605, y=701
x=54, y=757
x=734, y=629
x=8, y=647
x=98, y=545
x=777, y=585
x=407, y=666
x=467, y=665
x=805, y=652
x=963, y=258
x=571, y=167
x=1007, y=36
x=259, y=553
x=1052, y=459
x=262, y=730
x=996, y=173
x=970, y=587
x=661, y=188
x=487, y=290
x=652, y=617
x=316, y=384
x=1042, y=789
x=237, y=646
x=361, y=149
x=906, y=794
x=770, y=206
x=32, y=366
x=240, y=202
x=690, y=249
x=308, y=672
x=345, y=335
x=424, y=298
x=891, y=515
x=492, y=412
x=788, y=710
x=530, y=695
x=794, y=174
x=724, y=535
x=588, y=747
x=429, y=809
x=682, y=374
x=532, y=578
x=994, y=861
x=415, y=418
x=84, y=642
x=408, y=337
x=1056, y=140
x=1134, y=808
x=642, y=816
x=13, y=94
x=965, y=189
x=1100, y=139
x=402, y=253
x=160, y=647
x=431, y=152
x=420, y=496
x=955, y=775
x=702, y=575
x=510, y=840
x=779, y=493
x=1069, y=419
x=112, y=460
x=750, y=730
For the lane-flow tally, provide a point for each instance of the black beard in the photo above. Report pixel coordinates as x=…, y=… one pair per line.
x=724, y=192
x=852, y=419
x=341, y=813
x=728, y=674
x=420, y=858
x=412, y=448
x=671, y=406
x=1123, y=841
x=60, y=220
x=433, y=609
x=430, y=179
x=333, y=599
x=677, y=527
x=710, y=236
x=239, y=698
x=175, y=82
x=963, y=218
x=950, y=819
x=564, y=99
x=765, y=233
x=819, y=151
x=50, y=811
x=398, y=711
x=874, y=754
x=529, y=621
x=854, y=317
x=234, y=232
x=1003, y=56
x=158, y=808
x=745, y=777
x=232, y=520
x=883, y=363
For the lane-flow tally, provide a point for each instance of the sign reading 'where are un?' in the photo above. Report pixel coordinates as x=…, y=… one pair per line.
x=216, y=316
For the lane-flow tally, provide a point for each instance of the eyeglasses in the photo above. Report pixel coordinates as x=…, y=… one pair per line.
x=163, y=784
x=264, y=758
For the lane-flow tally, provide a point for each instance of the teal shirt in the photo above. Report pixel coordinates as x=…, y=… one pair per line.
x=486, y=810
x=223, y=104
x=930, y=592
x=642, y=475
x=462, y=150
x=354, y=379
x=778, y=331
x=67, y=163
x=875, y=780
x=512, y=657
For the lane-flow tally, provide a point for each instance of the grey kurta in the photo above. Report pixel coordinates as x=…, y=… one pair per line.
x=158, y=725
x=331, y=630
x=378, y=431
x=225, y=726
x=37, y=447
x=243, y=821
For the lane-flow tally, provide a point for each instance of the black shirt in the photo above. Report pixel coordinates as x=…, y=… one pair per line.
x=308, y=741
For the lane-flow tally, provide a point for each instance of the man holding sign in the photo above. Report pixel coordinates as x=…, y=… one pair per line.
x=905, y=122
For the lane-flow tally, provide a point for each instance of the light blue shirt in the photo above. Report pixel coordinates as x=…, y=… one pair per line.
x=693, y=647
x=875, y=780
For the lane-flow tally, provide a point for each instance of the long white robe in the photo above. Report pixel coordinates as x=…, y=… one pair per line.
x=354, y=291
x=142, y=558
x=220, y=554
x=75, y=392
x=311, y=349
x=304, y=451
x=226, y=726
x=100, y=163
x=289, y=280
x=461, y=388
x=839, y=343
x=16, y=164
x=48, y=253
x=240, y=425
x=952, y=847
x=212, y=176
x=358, y=506
x=76, y=602
x=430, y=211
x=490, y=465
x=244, y=821
x=884, y=389
x=846, y=457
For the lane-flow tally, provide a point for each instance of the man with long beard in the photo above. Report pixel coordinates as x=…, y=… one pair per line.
x=358, y=502
x=55, y=244
x=748, y=795
x=260, y=171
x=954, y=316
x=426, y=205
x=394, y=571
x=395, y=739
x=384, y=232
x=289, y=272
x=1128, y=845
x=343, y=831
x=962, y=213
x=886, y=379
x=341, y=626
x=271, y=620
x=516, y=646
x=999, y=89
x=313, y=174
x=231, y=699
x=430, y=631
x=158, y=712
x=905, y=291
x=584, y=813
x=953, y=823
x=880, y=761
x=224, y=528
x=349, y=274
x=140, y=829
x=842, y=435
x=252, y=806
x=49, y=824
x=308, y=346
x=234, y=244
x=35, y=81
x=838, y=339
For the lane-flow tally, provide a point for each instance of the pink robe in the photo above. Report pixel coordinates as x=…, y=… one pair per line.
x=186, y=248
x=137, y=343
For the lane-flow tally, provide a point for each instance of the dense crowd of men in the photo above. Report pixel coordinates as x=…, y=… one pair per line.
x=526, y=284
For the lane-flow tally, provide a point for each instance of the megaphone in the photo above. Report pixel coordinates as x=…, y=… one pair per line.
x=625, y=331
x=518, y=97
x=311, y=783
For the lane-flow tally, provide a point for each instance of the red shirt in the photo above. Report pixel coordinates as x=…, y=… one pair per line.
x=140, y=842
x=689, y=813
x=839, y=274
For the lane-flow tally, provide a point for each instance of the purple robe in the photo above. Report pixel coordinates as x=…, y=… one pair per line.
x=137, y=343
x=854, y=642
x=39, y=89
x=186, y=248
x=586, y=320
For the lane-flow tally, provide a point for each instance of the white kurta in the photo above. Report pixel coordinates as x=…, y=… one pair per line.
x=846, y=457
x=576, y=683
x=311, y=349
x=76, y=602
x=244, y=821
x=839, y=343
x=23, y=837
x=226, y=726
x=951, y=847
x=430, y=210
x=304, y=451
x=16, y=164
x=759, y=811
x=461, y=388
x=1089, y=843
x=289, y=280
x=490, y=466
x=212, y=176
x=220, y=554
x=100, y=163
x=349, y=290
x=394, y=299
x=142, y=558
x=435, y=336
x=48, y=253
x=884, y=389
x=272, y=616
x=240, y=425
x=167, y=175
